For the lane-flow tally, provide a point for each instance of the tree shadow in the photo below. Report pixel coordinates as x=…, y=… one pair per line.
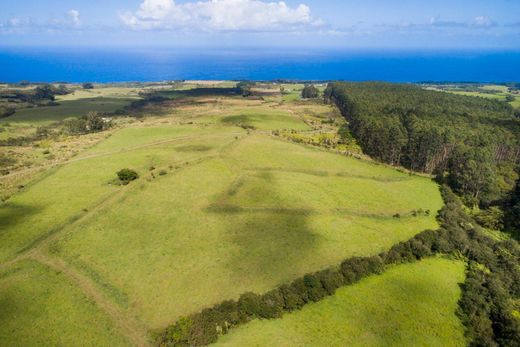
x=13, y=214
x=271, y=243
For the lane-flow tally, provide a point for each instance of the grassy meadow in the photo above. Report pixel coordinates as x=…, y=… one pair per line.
x=221, y=207
x=41, y=307
x=77, y=104
x=408, y=305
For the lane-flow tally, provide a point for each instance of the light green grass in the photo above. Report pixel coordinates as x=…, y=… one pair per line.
x=39, y=307
x=76, y=104
x=234, y=212
x=258, y=213
x=409, y=305
x=65, y=194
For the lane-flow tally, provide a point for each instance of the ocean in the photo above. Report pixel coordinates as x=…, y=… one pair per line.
x=66, y=64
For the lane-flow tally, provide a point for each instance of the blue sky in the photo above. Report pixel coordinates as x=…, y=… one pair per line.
x=461, y=24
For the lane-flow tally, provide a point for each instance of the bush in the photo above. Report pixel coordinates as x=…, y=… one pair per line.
x=6, y=111
x=92, y=122
x=88, y=86
x=310, y=92
x=127, y=175
x=6, y=161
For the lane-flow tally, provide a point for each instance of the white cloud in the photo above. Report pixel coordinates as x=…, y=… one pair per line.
x=483, y=22
x=74, y=16
x=219, y=15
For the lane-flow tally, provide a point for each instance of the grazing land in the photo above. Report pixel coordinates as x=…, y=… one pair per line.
x=409, y=305
x=41, y=307
x=234, y=194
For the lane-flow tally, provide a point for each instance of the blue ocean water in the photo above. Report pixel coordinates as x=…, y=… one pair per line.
x=158, y=64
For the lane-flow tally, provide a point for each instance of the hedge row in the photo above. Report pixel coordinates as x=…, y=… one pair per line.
x=456, y=235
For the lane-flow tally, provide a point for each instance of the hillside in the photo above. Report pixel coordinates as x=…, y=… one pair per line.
x=235, y=195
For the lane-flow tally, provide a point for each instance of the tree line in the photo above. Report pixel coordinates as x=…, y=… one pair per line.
x=486, y=307
x=470, y=143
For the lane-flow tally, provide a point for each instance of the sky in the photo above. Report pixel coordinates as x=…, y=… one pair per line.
x=401, y=24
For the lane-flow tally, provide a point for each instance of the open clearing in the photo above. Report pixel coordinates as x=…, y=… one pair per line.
x=221, y=207
x=408, y=305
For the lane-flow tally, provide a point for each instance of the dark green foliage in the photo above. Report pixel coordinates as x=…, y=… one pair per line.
x=292, y=299
x=491, y=218
x=91, y=123
x=127, y=175
x=94, y=122
x=61, y=90
x=6, y=161
x=88, y=86
x=331, y=280
x=45, y=92
x=510, y=98
x=512, y=212
x=6, y=111
x=466, y=137
x=310, y=92
x=314, y=288
x=244, y=88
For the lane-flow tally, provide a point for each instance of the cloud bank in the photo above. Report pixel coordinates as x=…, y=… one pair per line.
x=219, y=15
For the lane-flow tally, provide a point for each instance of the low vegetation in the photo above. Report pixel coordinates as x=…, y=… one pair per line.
x=127, y=175
x=485, y=308
x=240, y=196
x=41, y=307
x=379, y=310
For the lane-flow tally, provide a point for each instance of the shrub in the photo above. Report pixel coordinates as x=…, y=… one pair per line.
x=292, y=301
x=88, y=86
x=310, y=92
x=6, y=111
x=127, y=175
x=331, y=280
x=6, y=161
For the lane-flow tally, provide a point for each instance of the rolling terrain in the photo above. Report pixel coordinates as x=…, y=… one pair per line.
x=231, y=198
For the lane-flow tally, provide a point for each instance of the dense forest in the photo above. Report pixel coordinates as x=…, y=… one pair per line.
x=470, y=143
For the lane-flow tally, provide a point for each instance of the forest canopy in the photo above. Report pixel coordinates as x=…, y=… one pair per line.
x=470, y=143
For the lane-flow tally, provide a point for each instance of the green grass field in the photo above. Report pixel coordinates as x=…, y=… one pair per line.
x=77, y=104
x=409, y=305
x=217, y=211
x=40, y=307
x=497, y=92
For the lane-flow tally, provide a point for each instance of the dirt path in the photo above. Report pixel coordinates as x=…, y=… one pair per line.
x=129, y=327
x=99, y=155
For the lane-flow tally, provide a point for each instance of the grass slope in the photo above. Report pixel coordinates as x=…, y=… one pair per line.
x=409, y=305
x=225, y=210
x=254, y=213
x=41, y=308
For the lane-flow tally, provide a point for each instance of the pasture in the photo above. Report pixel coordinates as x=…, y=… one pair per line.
x=221, y=207
x=408, y=305
x=105, y=100
x=41, y=307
